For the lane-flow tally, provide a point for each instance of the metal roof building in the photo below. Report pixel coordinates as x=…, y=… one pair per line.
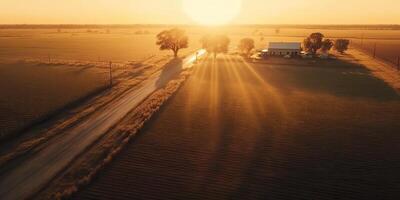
x=284, y=48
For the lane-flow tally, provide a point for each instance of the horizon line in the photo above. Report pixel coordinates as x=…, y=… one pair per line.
x=183, y=24
x=304, y=26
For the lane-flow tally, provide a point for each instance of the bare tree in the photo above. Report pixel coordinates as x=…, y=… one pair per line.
x=341, y=45
x=246, y=45
x=173, y=39
x=313, y=42
x=215, y=44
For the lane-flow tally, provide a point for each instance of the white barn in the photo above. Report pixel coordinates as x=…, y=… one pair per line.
x=284, y=48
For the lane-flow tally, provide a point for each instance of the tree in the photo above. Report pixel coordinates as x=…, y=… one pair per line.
x=327, y=45
x=173, y=39
x=246, y=45
x=313, y=42
x=341, y=45
x=215, y=44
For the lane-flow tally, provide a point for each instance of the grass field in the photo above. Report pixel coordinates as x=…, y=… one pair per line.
x=238, y=130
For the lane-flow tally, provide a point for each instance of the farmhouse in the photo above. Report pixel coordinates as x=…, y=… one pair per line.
x=284, y=48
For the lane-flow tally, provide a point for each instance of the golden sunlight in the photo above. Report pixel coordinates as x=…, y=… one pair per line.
x=212, y=12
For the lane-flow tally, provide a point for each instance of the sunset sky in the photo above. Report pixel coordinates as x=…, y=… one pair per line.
x=172, y=12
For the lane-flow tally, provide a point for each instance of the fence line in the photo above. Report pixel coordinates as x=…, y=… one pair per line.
x=374, y=52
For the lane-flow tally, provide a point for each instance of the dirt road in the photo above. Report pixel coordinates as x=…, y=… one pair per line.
x=237, y=130
x=38, y=169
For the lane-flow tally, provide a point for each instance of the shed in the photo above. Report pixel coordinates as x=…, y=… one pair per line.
x=284, y=48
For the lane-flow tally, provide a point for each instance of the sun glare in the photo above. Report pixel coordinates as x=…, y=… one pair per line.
x=212, y=12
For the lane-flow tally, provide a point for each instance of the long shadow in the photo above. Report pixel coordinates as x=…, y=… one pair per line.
x=309, y=163
x=335, y=77
x=268, y=172
x=170, y=70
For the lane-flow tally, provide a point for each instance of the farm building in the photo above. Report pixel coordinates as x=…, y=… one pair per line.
x=284, y=48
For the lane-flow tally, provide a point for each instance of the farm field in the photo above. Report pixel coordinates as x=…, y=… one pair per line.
x=138, y=43
x=239, y=130
x=207, y=100
x=388, y=50
x=36, y=84
x=81, y=44
x=30, y=91
x=42, y=71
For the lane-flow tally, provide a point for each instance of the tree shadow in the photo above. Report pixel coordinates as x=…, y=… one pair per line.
x=170, y=70
x=336, y=77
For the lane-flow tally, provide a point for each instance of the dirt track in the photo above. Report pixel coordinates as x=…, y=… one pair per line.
x=242, y=131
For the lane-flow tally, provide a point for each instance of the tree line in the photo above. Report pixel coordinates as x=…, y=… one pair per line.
x=176, y=39
x=317, y=41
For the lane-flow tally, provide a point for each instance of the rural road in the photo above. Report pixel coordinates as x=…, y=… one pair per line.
x=37, y=170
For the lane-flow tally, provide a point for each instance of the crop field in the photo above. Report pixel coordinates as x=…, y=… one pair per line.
x=31, y=90
x=388, y=50
x=86, y=44
x=43, y=70
x=238, y=130
x=132, y=44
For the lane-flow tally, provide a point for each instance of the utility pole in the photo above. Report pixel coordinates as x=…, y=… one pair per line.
x=111, y=77
x=375, y=50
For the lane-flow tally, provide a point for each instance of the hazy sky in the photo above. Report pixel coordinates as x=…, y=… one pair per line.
x=171, y=12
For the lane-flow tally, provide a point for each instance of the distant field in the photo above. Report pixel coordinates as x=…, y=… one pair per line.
x=94, y=45
x=29, y=91
x=137, y=43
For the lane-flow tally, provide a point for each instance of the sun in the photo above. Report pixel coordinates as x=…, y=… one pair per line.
x=212, y=12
